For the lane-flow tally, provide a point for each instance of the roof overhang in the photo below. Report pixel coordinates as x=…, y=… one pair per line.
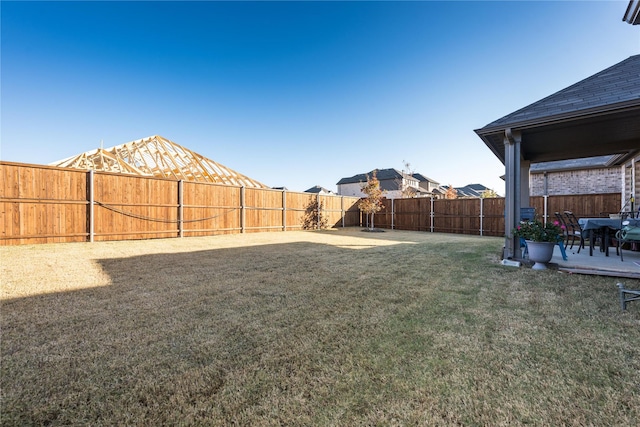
x=586, y=133
x=632, y=15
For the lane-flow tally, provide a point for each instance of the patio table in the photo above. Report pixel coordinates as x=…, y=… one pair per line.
x=605, y=225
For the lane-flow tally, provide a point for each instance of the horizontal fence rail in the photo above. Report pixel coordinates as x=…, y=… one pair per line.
x=42, y=204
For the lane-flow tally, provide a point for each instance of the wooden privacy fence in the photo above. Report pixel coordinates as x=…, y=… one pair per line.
x=41, y=204
x=484, y=217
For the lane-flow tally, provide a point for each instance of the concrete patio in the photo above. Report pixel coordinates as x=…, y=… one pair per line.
x=599, y=263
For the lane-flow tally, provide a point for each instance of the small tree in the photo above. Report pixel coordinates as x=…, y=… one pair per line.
x=313, y=216
x=373, y=202
x=488, y=194
x=451, y=193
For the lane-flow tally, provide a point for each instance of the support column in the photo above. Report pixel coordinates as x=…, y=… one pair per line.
x=512, y=195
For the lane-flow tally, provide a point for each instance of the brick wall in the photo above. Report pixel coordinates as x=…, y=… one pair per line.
x=590, y=181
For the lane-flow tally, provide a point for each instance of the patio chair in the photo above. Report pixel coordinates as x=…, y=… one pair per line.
x=627, y=295
x=527, y=214
x=573, y=230
x=627, y=234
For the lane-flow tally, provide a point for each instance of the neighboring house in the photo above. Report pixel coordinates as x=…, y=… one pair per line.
x=392, y=181
x=318, y=190
x=431, y=187
x=469, y=191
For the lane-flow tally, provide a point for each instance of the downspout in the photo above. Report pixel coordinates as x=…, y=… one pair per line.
x=546, y=196
x=516, y=143
x=633, y=184
x=623, y=187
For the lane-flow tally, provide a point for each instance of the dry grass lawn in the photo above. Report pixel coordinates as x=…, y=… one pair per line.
x=332, y=328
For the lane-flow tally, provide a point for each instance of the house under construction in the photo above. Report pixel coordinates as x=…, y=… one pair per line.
x=158, y=157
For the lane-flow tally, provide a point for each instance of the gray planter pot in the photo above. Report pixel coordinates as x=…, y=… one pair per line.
x=540, y=253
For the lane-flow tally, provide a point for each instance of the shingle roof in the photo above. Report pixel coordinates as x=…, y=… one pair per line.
x=477, y=187
x=381, y=174
x=616, y=85
x=471, y=190
x=423, y=178
x=597, y=116
x=572, y=164
x=317, y=189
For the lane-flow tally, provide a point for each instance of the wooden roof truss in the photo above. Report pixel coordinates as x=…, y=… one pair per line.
x=160, y=157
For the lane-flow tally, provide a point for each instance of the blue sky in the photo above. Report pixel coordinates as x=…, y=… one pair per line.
x=295, y=94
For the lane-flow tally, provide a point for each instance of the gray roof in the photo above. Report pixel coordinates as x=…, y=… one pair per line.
x=381, y=174
x=423, y=178
x=618, y=84
x=317, y=189
x=597, y=116
x=476, y=187
x=574, y=164
x=471, y=190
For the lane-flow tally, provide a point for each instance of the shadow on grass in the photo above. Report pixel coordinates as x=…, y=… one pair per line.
x=174, y=329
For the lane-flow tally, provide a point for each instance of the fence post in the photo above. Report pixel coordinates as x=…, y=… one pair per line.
x=181, y=208
x=392, y=213
x=91, y=206
x=284, y=210
x=342, y=209
x=318, y=211
x=431, y=215
x=481, y=214
x=242, y=210
x=546, y=214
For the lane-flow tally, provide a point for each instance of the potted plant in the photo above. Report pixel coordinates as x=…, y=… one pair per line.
x=540, y=239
